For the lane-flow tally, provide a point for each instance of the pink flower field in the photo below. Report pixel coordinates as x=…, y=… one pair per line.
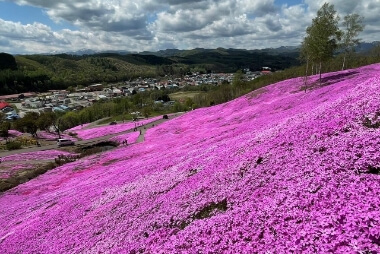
x=79, y=127
x=13, y=164
x=54, y=136
x=101, y=131
x=280, y=170
x=130, y=137
x=12, y=133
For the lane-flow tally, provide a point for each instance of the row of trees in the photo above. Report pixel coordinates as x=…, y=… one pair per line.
x=119, y=108
x=219, y=94
x=324, y=38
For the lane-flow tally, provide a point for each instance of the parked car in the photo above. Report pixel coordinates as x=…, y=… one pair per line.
x=65, y=142
x=12, y=117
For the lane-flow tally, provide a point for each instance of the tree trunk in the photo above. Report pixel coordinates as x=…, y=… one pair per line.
x=344, y=61
x=57, y=128
x=307, y=67
x=320, y=72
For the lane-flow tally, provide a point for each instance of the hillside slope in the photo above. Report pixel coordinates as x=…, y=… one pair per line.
x=280, y=170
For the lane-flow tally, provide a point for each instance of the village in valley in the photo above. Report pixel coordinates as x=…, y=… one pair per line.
x=17, y=105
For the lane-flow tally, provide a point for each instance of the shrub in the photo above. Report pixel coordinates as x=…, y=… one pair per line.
x=26, y=141
x=63, y=159
x=13, y=145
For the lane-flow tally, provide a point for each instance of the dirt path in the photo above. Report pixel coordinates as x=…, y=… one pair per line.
x=95, y=123
x=141, y=138
x=53, y=145
x=143, y=129
x=29, y=169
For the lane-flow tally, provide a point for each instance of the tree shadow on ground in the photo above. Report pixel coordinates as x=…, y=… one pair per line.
x=329, y=80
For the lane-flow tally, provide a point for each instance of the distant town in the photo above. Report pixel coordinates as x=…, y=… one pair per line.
x=17, y=105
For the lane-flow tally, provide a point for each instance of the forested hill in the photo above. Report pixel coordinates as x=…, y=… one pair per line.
x=43, y=72
x=230, y=60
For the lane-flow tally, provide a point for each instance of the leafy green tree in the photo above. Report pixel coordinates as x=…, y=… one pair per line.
x=189, y=103
x=146, y=112
x=51, y=119
x=7, y=61
x=4, y=130
x=375, y=52
x=137, y=100
x=238, y=81
x=46, y=120
x=178, y=107
x=69, y=120
x=322, y=36
x=353, y=25
x=83, y=116
x=71, y=89
x=28, y=123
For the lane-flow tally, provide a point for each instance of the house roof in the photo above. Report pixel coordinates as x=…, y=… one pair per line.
x=4, y=104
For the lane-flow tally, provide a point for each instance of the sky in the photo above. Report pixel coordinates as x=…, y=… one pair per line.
x=47, y=26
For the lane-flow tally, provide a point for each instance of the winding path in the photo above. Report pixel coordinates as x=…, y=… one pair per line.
x=93, y=141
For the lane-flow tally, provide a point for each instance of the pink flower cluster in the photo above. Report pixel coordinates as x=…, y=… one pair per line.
x=54, y=136
x=277, y=171
x=13, y=164
x=12, y=133
x=101, y=131
x=129, y=137
x=79, y=127
x=38, y=155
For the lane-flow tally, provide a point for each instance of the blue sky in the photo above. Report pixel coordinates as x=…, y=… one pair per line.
x=40, y=26
x=27, y=14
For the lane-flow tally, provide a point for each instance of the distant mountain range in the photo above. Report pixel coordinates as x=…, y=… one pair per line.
x=214, y=60
x=176, y=52
x=84, y=52
x=41, y=72
x=283, y=50
x=186, y=53
x=367, y=46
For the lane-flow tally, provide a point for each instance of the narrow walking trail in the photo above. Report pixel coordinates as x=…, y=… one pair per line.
x=141, y=137
x=144, y=128
x=88, y=142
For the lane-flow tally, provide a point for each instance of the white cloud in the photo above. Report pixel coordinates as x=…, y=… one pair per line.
x=258, y=8
x=159, y=24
